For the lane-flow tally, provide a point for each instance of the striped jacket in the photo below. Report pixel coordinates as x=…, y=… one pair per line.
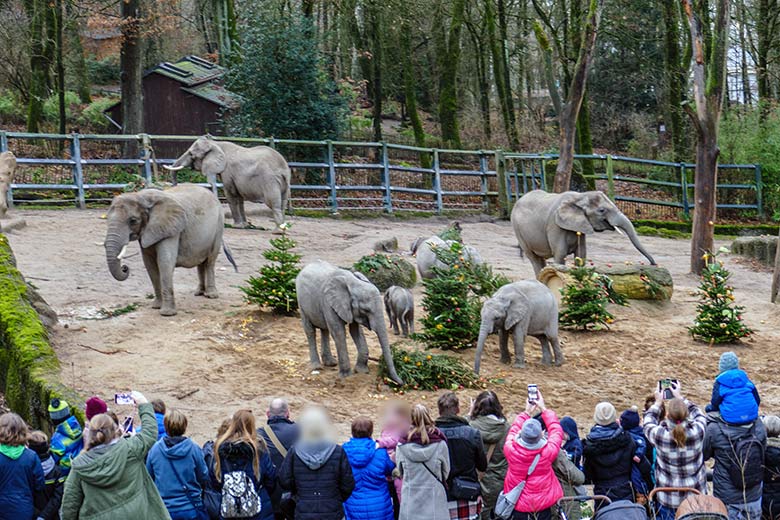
x=677, y=467
x=66, y=443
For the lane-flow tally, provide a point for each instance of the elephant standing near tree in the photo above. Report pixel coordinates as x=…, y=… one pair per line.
x=554, y=225
x=179, y=227
x=258, y=174
x=399, y=304
x=424, y=248
x=7, y=171
x=521, y=309
x=330, y=298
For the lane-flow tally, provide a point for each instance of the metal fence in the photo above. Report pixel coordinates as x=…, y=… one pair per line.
x=343, y=175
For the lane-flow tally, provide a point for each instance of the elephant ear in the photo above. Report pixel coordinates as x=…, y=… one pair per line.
x=518, y=309
x=166, y=217
x=214, y=162
x=339, y=298
x=571, y=216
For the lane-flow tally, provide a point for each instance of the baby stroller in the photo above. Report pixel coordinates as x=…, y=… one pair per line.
x=607, y=509
x=695, y=506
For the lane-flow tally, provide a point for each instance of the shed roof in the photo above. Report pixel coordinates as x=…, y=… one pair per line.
x=190, y=70
x=215, y=93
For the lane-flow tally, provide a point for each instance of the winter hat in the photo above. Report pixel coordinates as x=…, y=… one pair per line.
x=59, y=410
x=728, y=361
x=531, y=437
x=605, y=414
x=630, y=418
x=95, y=406
x=772, y=425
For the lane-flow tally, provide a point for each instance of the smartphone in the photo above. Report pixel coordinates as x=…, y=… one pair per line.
x=127, y=426
x=533, y=393
x=665, y=385
x=123, y=399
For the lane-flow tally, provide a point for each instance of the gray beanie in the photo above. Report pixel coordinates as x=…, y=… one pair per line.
x=531, y=435
x=772, y=425
x=605, y=414
x=728, y=361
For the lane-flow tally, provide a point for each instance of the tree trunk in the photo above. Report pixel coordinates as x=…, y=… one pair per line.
x=449, y=63
x=766, y=12
x=705, y=200
x=585, y=144
x=375, y=28
x=37, y=16
x=60, y=65
x=410, y=95
x=77, y=63
x=747, y=95
x=674, y=78
x=130, y=61
x=500, y=75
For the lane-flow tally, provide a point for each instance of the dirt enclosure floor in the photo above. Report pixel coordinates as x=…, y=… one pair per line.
x=216, y=356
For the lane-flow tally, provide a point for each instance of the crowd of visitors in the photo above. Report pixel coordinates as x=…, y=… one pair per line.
x=458, y=466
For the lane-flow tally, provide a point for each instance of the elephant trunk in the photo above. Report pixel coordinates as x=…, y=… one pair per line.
x=378, y=325
x=484, y=331
x=116, y=240
x=622, y=223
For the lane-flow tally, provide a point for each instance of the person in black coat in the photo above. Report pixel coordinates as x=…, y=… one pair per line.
x=47, y=503
x=316, y=471
x=770, y=499
x=286, y=432
x=608, y=452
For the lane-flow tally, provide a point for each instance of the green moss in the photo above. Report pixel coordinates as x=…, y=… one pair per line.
x=720, y=229
x=29, y=369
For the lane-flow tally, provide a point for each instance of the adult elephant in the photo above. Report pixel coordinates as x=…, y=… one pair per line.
x=423, y=248
x=7, y=169
x=179, y=227
x=554, y=225
x=330, y=298
x=258, y=174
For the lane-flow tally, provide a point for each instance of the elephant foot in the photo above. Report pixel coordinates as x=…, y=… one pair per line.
x=241, y=225
x=212, y=294
x=505, y=360
x=278, y=231
x=315, y=366
x=329, y=361
x=343, y=374
x=168, y=311
x=559, y=361
x=361, y=369
x=396, y=332
x=200, y=292
x=546, y=362
x=519, y=364
x=156, y=304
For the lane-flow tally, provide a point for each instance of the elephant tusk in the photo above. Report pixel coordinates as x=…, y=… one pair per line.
x=620, y=231
x=121, y=254
x=172, y=168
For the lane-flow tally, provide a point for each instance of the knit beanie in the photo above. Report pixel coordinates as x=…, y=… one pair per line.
x=95, y=406
x=772, y=425
x=531, y=437
x=605, y=414
x=630, y=418
x=728, y=361
x=59, y=410
x=40, y=448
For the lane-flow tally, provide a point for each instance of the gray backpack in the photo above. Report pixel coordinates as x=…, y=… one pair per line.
x=505, y=505
x=239, y=496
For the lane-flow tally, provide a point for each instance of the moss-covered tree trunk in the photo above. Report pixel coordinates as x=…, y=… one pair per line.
x=501, y=73
x=76, y=61
x=675, y=72
x=449, y=62
x=585, y=144
x=131, y=63
x=410, y=94
x=767, y=41
x=60, y=66
x=374, y=14
x=36, y=14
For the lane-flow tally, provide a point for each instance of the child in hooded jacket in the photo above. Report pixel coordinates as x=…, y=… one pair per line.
x=67, y=440
x=734, y=395
x=573, y=444
x=641, y=469
x=370, y=500
x=47, y=504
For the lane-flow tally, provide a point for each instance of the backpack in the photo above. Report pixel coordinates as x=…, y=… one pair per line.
x=239, y=496
x=747, y=460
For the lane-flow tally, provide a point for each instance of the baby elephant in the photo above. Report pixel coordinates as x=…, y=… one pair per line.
x=522, y=308
x=399, y=304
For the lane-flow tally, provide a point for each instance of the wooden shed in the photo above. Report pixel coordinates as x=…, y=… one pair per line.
x=182, y=98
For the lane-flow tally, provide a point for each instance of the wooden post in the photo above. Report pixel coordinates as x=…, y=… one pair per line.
x=437, y=181
x=759, y=191
x=386, y=179
x=503, y=192
x=334, y=204
x=610, y=178
x=684, y=186
x=483, y=182
x=78, y=172
x=146, y=145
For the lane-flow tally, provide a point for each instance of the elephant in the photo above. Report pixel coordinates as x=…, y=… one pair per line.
x=179, y=227
x=556, y=224
x=399, y=304
x=521, y=308
x=330, y=298
x=258, y=174
x=426, y=258
x=7, y=170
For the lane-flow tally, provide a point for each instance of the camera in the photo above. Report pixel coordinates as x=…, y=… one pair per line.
x=666, y=385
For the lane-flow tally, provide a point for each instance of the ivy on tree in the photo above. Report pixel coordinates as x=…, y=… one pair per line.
x=585, y=299
x=718, y=319
x=274, y=287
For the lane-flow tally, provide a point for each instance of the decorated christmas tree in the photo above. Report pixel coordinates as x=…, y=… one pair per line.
x=274, y=287
x=718, y=319
x=585, y=299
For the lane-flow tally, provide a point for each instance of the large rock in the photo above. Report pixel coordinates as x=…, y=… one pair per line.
x=762, y=248
x=636, y=282
x=9, y=224
x=386, y=270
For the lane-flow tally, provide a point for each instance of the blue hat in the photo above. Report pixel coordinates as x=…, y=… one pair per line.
x=630, y=418
x=728, y=361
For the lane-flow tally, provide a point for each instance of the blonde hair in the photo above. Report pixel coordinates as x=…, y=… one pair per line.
x=102, y=430
x=13, y=430
x=38, y=437
x=241, y=428
x=422, y=424
x=314, y=424
x=677, y=413
x=175, y=423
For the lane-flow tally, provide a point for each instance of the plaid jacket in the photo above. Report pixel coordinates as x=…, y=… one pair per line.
x=677, y=467
x=465, y=509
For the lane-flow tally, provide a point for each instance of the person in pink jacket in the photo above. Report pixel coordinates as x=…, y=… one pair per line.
x=397, y=423
x=524, y=442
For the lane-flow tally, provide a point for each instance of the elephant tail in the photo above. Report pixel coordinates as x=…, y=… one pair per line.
x=229, y=255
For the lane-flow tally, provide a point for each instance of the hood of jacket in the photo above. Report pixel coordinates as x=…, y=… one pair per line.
x=733, y=378
x=234, y=450
x=570, y=428
x=12, y=452
x=175, y=448
x=493, y=429
x=70, y=428
x=360, y=452
x=102, y=466
x=420, y=452
x=599, y=432
x=314, y=454
x=605, y=439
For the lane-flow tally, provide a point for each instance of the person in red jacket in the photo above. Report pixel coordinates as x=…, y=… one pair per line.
x=524, y=442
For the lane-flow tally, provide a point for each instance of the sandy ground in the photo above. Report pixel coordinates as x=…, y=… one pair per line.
x=216, y=356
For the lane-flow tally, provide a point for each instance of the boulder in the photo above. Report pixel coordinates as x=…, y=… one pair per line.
x=388, y=245
x=386, y=270
x=762, y=248
x=9, y=224
x=635, y=282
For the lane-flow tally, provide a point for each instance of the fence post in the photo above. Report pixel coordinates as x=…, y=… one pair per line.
x=78, y=172
x=437, y=181
x=271, y=142
x=759, y=191
x=4, y=148
x=334, y=205
x=3, y=142
x=503, y=193
x=386, y=179
x=610, y=178
x=483, y=181
x=543, y=183
x=684, y=186
x=146, y=144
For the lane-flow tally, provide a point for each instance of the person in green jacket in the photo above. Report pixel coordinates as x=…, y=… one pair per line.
x=109, y=479
x=487, y=416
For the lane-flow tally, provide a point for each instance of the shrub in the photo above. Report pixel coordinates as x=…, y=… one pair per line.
x=51, y=107
x=424, y=371
x=11, y=109
x=453, y=232
x=386, y=270
x=274, y=288
x=93, y=117
x=585, y=299
x=103, y=72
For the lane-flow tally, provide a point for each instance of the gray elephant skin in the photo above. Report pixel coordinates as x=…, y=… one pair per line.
x=426, y=257
x=521, y=309
x=7, y=170
x=399, y=305
x=179, y=227
x=258, y=174
x=330, y=298
x=547, y=224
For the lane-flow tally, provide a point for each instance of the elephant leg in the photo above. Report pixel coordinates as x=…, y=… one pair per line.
x=405, y=324
x=278, y=211
x=327, y=357
x=238, y=220
x=394, y=322
x=556, y=347
x=519, y=338
x=546, y=355
x=167, y=251
x=208, y=277
x=361, y=366
x=311, y=338
x=503, y=346
x=537, y=262
x=339, y=335
x=561, y=249
x=242, y=211
x=201, y=280
x=150, y=262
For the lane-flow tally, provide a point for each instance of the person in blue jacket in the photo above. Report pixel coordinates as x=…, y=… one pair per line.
x=370, y=500
x=21, y=474
x=179, y=471
x=573, y=444
x=734, y=395
x=67, y=440
x=641, y=470
x=159, y=414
